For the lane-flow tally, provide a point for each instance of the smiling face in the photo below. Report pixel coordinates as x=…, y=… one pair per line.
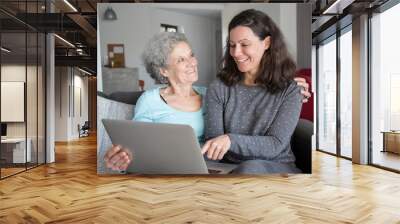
x=247, y=49
x=182, y=65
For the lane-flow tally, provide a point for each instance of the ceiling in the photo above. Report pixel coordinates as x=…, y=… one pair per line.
x=77, y=24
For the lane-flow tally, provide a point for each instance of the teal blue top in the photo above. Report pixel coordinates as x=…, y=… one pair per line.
x=151, y=108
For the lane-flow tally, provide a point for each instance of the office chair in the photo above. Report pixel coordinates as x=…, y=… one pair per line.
x=84, y=130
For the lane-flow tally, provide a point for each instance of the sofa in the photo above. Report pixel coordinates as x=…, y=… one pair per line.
x=120, y=105
x=117, y=105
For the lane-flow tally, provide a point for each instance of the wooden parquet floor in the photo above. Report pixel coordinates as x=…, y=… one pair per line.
x=70, y=191
x=9, y=171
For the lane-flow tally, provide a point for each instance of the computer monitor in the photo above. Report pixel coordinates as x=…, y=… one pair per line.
x=3, y=129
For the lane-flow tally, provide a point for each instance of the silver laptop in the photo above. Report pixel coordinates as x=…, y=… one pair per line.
x=160, y=148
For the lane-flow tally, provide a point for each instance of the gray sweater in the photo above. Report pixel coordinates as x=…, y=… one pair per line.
x=259, y=124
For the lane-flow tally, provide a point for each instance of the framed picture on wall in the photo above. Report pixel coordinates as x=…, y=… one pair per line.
x=116, y=56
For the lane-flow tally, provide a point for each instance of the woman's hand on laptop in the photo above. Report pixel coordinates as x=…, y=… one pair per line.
x=118, y=158
x=216, y=147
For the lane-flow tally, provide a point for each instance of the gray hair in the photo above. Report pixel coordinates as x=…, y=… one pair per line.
x=156, y=53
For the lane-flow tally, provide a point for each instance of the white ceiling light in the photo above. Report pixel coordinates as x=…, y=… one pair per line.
x=65, y=41
x=86, y=72
x=337, y=7
x=5, y=50
x=70, y=5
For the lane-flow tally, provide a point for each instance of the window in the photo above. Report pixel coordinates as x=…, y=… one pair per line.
x=385, y=84
x=327, y=96
x=334, y=101
x=168, y=28
x=346, y=75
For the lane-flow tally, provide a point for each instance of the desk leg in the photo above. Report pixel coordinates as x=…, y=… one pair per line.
x=384, y=142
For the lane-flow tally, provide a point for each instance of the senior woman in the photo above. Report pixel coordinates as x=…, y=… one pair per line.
x=169, y=60
x=253, y=107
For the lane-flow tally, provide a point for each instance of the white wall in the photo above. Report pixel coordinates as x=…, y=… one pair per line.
x=61, y=103
x=137, y=23
x=67, y=82
x=14, y=72
x=17, y=73
x=80, y=83
x=304, y=36
x=33, y=125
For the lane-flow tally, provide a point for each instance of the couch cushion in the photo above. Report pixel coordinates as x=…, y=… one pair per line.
x=126, y=97
x=108, y=109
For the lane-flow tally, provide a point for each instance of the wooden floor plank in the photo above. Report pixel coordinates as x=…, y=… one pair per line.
x=70, y=191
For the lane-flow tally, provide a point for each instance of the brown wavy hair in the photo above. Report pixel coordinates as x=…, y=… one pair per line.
x=277, y=68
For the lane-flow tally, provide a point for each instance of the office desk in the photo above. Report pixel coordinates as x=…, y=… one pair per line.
x=13, y=150
x=391, y=141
